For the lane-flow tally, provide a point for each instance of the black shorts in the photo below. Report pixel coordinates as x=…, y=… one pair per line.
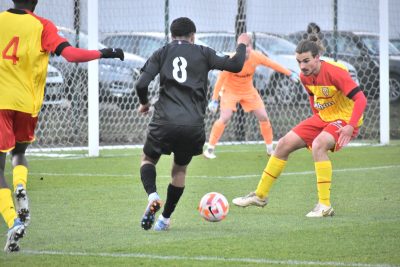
x=184, y=141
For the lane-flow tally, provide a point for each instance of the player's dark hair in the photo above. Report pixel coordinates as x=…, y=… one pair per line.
x=313, y=27
x=24, y=1
x=27, y=2
x=312, y=44
x=182, y=27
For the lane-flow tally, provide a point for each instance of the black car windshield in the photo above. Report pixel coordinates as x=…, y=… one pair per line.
x=372, y=43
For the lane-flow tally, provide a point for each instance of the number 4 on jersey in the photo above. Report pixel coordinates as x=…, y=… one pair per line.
x=11, y=55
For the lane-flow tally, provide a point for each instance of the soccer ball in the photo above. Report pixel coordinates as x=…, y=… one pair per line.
x=213, y=207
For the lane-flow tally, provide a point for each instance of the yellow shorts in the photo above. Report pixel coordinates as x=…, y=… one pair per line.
x=249, y=102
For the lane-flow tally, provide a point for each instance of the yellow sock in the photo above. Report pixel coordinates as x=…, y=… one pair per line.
x=323, y=169
x=7, y=207
x=271, y=172
x=20, y=176
x=266, y=131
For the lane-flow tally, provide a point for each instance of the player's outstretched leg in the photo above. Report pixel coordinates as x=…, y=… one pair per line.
x=22, y=204
x=14, y=235
x=153, y=206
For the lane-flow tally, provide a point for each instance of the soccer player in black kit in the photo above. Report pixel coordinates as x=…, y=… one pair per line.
x=177, y=124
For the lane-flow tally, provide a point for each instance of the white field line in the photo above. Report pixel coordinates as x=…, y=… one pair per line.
x=204, y=258
x=55, y=152
x=60, y=149
x=214, y=177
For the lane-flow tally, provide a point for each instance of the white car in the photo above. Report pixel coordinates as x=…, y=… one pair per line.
x=54, y=92
x=278, y=88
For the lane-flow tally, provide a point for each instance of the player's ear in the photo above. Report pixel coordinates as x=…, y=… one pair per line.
x=192, y=38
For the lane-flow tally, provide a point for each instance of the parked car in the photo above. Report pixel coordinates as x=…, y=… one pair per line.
x=144, y=44
x=116, y=78
x=396, y=43
x=283, y=52
x=139, y=43
x=276, y=86
x=361, y=49
x=54, y=92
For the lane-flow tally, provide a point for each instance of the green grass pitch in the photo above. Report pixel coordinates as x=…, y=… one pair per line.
x=87, y=211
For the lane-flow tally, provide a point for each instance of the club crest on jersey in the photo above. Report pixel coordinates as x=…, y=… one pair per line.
x=325, y=91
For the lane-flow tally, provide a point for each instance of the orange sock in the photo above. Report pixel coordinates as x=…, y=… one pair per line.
x=266, y=131
x=216, y=132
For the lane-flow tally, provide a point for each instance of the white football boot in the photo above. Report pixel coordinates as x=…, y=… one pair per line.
x=321, y=210
x=162, y=224
x=22, y=204
x=14, y=234
x=209, y=153
x=250, y=200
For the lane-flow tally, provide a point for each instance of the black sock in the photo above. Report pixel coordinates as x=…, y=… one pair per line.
x=148, y=176
x=173, y=195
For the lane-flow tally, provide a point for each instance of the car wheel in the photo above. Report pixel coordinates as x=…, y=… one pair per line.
x=394, y=88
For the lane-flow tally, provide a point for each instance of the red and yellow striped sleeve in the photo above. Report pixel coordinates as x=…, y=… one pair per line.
x=50, y=38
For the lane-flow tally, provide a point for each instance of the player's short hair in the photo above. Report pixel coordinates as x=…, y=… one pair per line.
x=181, y=27
x=312, y=44
x=25, y=1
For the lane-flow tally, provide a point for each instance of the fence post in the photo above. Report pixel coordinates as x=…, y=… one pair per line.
x=240, y=27
x=384, y=71
x=93, y=80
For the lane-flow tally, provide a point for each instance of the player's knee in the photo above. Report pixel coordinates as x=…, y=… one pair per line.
x=283, y=148
x=149, y=160
x=263, y=119
x=319, y=145
x=182, y=160
x=19, y=148
x=225, y=119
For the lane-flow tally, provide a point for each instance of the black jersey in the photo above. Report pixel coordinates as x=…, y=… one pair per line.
x=183, y=69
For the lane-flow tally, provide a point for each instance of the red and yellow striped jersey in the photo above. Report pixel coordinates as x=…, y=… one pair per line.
x=25, y=43
x=330, y=88
x=242, y=82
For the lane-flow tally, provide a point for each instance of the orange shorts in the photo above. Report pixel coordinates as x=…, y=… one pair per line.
x=16, y=127
x=249, y=102
x=310, y=128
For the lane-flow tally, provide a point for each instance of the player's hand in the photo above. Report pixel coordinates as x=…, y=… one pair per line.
x=144, y=109
x=345, y=134
x=294, y=77
x=213, y=106
x=244, y=38
x=112, y=53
